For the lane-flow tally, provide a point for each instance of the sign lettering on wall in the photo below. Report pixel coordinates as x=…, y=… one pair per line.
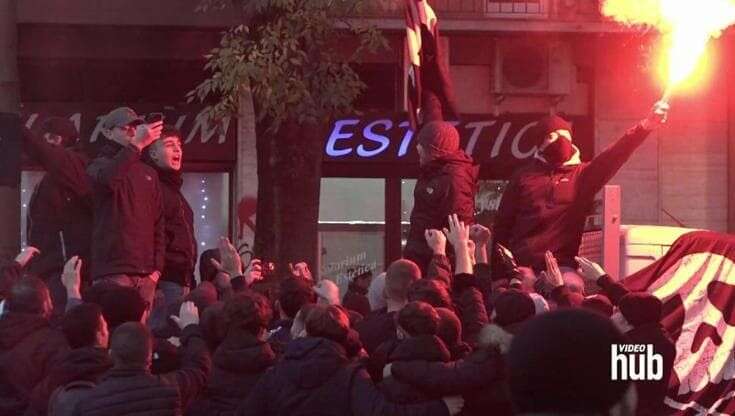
x=202, y=140
x=500, y=144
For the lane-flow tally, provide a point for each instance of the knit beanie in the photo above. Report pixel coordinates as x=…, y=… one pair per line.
x=512, y=307
x=559, y=362
x=439, y=138
x=62, y=127
x=640, y=308
x=550, y=124
x=598, y=303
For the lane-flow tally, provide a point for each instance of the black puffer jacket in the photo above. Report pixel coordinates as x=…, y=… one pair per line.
x=239, y=362
x=544, y=207
x=127, y=390
x=445, y=186
x=481, y=379
x=181, y=245
x=29, y=349
x=62, y=202
x=315, y=377
x=426, y=348
x=128, y=214
x=80, y=364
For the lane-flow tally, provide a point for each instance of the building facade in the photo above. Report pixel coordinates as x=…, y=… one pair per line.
x=510, y=61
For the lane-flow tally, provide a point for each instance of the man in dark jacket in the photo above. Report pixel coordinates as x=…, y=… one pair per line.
x=446, y=185
x=130, y=388
x=545, y=204
x=86, y=332
x=165, y=155
x=380, y=325
x=129, y=239
x=241, y=358
x=59, y=221
x=29, y=347
x=294, y=293
x=316, y=377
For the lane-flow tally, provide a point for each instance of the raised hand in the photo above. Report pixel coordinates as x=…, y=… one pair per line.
x=437, y=241
x=458, y=233
x=301, y=270
x=231, y=263
x=25, y=255
x=553, y=274
x=71, y=277
x=480, y=234
x=589, y=269
x=188, y=315
x=145, y=134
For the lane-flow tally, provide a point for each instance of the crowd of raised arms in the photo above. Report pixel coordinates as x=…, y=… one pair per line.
x=102, y=314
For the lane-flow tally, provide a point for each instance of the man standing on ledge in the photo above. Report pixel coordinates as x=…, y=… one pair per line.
x=545, y=204
x=446, y=185
x=128, y=236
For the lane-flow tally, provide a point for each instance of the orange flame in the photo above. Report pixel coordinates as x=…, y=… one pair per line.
x=687, y=25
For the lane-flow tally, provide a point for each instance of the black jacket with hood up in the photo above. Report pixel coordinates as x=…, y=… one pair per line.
x=445, y=186
x=544, y=207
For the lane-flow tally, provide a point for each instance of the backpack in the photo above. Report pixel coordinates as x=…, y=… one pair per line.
x=65, y=398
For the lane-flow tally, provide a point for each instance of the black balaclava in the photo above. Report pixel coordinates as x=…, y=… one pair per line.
x=561, y=150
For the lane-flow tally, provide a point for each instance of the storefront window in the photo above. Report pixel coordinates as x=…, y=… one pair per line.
x=351, y=228
x=487, y=200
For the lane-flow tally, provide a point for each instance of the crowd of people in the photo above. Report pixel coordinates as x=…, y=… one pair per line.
x=101, y=313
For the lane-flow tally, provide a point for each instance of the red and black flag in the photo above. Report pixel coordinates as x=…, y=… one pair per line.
x=695, y=280
x=429, y=93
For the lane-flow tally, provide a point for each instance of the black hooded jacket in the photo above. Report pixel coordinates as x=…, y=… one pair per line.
x=238, y=364
x=315, y=377
x=79, y=364
x=544, y=207
x=181, y=246
x=61, y=202
x=128, y=230
x=29, y=349
x=445, y=186
x=425, y=348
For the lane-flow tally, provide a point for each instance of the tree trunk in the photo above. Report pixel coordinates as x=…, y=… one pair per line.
x=289, y=177
x=9, y=103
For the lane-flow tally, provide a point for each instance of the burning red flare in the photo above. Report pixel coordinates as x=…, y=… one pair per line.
x=688, y=26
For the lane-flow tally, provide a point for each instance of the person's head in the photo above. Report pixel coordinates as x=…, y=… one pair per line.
x=59, y=131
x=600, y=304
x=539, y=302
x=207, y=271
x=131, y=345
x=119, y=125
x=398, y=279
x=416, y=319
x=436, y=139
x=327, y=292
x=119, y=304
x=640, y=308
x=449, y=328
x=294, y=294
x=213, y=325
x=84, y=326
x=298, y=328
x=30, y=296
x=376, y=292
x=560, y=363
x=430, y=291
x=167, y=152
x=512, y=307
x=361, y=280
x=556, y=139
x=328, y=321
x=249, y=312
